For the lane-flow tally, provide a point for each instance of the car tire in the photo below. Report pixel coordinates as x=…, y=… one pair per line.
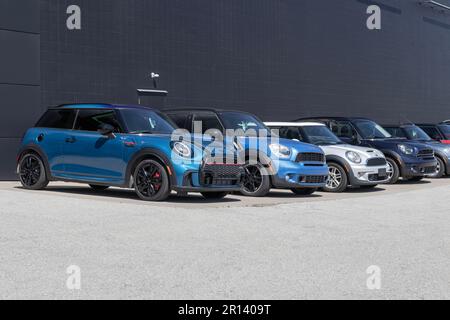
x=440, y=170
x=337, y=180
x=393, y=171
x=98, y=187
x=32, y=174
x=256, y=181
x=151, y=181
x=214, y=195
x=304, y=191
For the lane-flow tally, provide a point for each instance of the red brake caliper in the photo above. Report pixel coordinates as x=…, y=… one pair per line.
x=157, y=175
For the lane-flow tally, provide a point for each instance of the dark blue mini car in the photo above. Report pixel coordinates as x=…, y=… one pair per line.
x=415, y=133
x=108, y=145
x=409, y=160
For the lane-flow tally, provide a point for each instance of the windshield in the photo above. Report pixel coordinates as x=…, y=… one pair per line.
x=320, y=135
x=446, y=130
x=371, y=130
x=416, y=133
x=147, y=121
x=242, y=121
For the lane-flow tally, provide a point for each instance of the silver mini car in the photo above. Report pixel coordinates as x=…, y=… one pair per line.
x=349, y=165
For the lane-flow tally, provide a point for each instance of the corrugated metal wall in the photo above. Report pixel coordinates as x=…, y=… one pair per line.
x=20, y=96
x=279, y=58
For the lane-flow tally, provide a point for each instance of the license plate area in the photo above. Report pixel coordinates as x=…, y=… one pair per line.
x=382, y=173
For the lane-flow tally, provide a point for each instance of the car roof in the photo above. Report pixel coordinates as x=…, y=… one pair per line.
x=101, y=106
x=331, y=118
x=294, y=124
x=214, y=110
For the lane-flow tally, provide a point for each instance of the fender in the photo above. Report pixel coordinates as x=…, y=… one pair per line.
x=35, y=148
x=152, y=152
x=341, y=161
x=394, y=155
x=444, y=158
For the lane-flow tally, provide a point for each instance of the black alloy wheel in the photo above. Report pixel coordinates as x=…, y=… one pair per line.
x=256, y=181
x=151, y=181
x=32, y=172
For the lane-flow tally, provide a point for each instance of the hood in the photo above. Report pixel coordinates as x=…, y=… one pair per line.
x=344, y=148
x=392, y=144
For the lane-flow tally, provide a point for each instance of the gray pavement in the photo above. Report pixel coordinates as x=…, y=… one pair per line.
x=279, y=247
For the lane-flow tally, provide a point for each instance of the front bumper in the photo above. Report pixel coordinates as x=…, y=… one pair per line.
x=368, y=176
x=211, y=178
x=299, y=175
x=411, y=170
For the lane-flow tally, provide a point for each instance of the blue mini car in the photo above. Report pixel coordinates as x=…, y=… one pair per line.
x=409, y=160
x=415, y=133
x=286, y=164
x=108, y=145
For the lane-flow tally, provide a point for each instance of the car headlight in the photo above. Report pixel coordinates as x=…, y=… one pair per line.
x=280, y=151
x=353, y=157
x=406, y=149
x=182, y=149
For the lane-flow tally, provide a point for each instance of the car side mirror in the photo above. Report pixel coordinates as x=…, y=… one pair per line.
x=106, y=130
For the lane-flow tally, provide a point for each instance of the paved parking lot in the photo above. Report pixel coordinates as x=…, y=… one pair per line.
x=279, y=247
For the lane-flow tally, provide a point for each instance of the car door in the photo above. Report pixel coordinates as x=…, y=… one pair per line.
x=91, y=156
x=51, y=131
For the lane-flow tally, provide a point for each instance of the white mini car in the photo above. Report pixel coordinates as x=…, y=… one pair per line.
x=349, y=165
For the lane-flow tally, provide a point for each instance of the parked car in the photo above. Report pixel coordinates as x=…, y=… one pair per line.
x=415, y=133
x=348, y=165
x=439, y=132
x=107, y=145
x=301, y=167
x=406, y=159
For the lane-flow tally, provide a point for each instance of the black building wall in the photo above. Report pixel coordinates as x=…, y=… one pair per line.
x=278, y=58
x=20, y=96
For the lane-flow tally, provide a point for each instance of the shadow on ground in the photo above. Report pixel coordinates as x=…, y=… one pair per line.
x=131, y=195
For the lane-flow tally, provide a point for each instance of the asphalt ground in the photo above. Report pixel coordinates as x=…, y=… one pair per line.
x=278, y=247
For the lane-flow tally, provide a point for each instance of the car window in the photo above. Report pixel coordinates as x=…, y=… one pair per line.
x=181, y=120
x=242, y=121
x=57, y=119
x=432, y=132
x=446, y=130
x=291, y=133
x=371, y=130
x=319, y=135
x=396, y=132
x=92, y=120
x=209, y=121
x=342, y=129
x=147, y=121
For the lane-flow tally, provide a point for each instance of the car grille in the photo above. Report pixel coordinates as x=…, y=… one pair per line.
x=429, y=170
x=221, y=174
x=376, y=177
x=313, y=179
x=310, y=157
x=375, y=162
x=427, y=154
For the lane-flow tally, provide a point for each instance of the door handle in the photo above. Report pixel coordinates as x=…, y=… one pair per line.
x=71, y=140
